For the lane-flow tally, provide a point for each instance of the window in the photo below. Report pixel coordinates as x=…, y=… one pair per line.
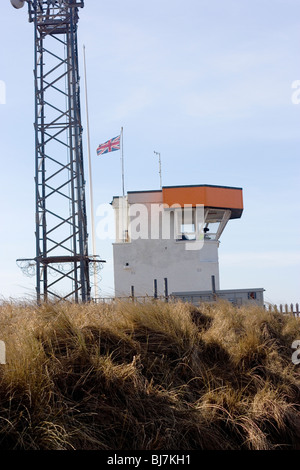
x=252, y=295
x=210, y=230
x=185, y=224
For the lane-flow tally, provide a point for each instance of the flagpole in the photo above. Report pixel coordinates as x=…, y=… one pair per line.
x=124, y=205
x=90, y=178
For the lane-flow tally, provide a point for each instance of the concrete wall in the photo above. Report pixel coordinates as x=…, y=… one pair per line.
x=140, y=262
x=235, y=296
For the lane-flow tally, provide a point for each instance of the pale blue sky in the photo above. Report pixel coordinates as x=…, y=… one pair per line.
x=208, y=84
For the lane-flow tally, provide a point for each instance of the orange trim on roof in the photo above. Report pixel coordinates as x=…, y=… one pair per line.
x=209, y=196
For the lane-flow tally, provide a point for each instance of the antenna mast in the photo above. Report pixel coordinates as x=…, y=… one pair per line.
x=62, y=260
x=159, y=163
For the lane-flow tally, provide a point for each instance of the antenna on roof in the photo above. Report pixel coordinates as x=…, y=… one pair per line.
x=159, y=161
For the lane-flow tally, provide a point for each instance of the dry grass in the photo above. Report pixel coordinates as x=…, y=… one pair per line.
x=154, y=376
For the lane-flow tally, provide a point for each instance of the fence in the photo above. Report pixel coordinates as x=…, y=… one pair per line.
x=130, y=298
x=284, y=308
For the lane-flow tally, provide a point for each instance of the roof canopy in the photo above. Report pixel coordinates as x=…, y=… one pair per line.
x=213, y=197
x=218, y=197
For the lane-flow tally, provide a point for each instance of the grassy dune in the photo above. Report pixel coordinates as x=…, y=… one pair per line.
x=155, y=376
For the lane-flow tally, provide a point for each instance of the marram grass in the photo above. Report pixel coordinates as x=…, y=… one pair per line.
x=153, y=376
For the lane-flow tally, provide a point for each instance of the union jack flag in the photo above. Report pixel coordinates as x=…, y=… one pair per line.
x=109, y=146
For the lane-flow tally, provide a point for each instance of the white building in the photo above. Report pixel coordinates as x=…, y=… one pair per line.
x=169, y=239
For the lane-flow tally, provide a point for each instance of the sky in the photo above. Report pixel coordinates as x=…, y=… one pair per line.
x=212, y=85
